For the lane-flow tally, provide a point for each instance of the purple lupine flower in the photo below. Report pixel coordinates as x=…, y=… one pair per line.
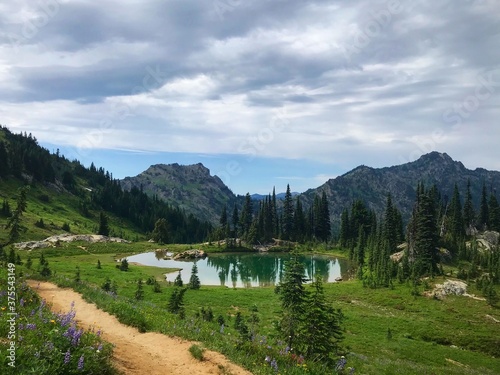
x=31, y=326
x=274, y=365
x=66, y=319
x=98, y=333
x=20, y=326
x=76, y=337
x=99, y=348
x=67, y=357
x=21, y=302
x=341, y=364
x=80, y=363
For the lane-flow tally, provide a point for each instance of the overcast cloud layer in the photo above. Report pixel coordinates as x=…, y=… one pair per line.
x=340, y=82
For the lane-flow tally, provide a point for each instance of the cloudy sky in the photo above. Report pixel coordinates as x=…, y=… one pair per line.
x=263, y=92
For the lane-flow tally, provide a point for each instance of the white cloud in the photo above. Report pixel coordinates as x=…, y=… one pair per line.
x=223, y=81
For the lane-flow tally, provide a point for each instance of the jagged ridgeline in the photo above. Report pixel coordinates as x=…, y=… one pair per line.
x=371, y=185
x=69, y=189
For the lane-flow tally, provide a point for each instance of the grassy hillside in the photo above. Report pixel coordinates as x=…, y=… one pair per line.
x=387, y=330
x=56, y=208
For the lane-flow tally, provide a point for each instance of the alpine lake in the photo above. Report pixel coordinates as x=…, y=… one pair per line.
x=245, y=270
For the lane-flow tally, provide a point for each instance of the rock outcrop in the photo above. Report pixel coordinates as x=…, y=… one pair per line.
x=53, y=241
x=190, y=254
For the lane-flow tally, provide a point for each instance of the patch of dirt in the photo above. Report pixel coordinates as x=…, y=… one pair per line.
x=137, y=353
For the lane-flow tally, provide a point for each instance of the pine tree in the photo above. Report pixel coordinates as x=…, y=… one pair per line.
x=457, y=227
x=322, y=218
x=321, y=332
x=299, y=222
x=103, y=224
x=423, y=235
x=161, y=231
x=287, y=225
x=344, y=229
x=293, y=295
x=178, y=280
x=494, y=213
x=194, y=281
x=139, y=293
x=14, y=222
x=176, y=301
x=235, y=220
x=484, y=213
x=469, y=215
x=246, y=217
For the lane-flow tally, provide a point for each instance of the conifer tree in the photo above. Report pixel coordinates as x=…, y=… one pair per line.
x=494, y=213
x=457, y=227
x=321, y=332
x=103, y=224
x=194, y=281
x=344, y=229
x=484, y=214
x=246, y=215
x=292, y=294
x=299, y=222
x=161, y=231
x=423, y=235
x=469, y=214
x=287, y=225
x=178, y=280
x=235, y=220
x=14, y=223
x=139, y=293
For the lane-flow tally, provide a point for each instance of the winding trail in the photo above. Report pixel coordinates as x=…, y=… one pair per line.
x=136, y=353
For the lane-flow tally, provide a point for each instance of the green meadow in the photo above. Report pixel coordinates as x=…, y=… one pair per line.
x=386, y=330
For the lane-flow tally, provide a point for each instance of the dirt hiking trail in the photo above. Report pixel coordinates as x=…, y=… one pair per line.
x=136, y=353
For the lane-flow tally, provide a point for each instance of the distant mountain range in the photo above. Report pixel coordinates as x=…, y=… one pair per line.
x=373, y=184
x=259, y=197
x=192, y=188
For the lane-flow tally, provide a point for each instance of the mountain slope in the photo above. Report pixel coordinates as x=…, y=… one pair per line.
x=372, y=184
x=188, y=187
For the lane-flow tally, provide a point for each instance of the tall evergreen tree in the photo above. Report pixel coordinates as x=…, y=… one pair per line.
x=287, y=225
x=456, y=222
x=194, y=281
x=293, y=295
x=469, y=215
x=484, y=213
x=14, y=223
x=423, y=235
x=246, y=215
x=344, y=229
x=299, y=226
x=322, y=218
x=161, y=233
x=235, y=220
x=321, y=331
x=103, y=224
x=494, y=213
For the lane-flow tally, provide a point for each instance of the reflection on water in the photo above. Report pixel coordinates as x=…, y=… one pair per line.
x=246, y=270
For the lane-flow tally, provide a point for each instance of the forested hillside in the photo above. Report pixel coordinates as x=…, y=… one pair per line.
x=84, y=191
